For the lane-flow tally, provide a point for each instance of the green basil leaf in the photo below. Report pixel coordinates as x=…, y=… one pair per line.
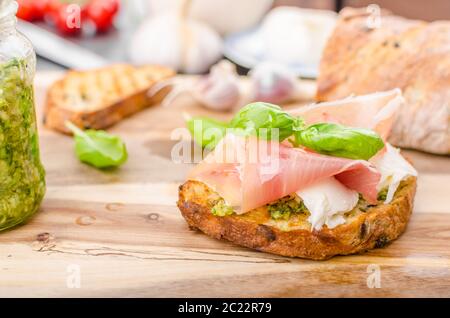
x=340, y=141
x=206, y=132
x=255, y=116
x=98, y=148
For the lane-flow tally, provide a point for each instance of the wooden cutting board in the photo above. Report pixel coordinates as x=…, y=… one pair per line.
x=119, y=233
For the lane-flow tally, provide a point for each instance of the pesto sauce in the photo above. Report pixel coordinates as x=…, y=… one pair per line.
x=220, y=208
x=281, y=209
x=22, y=176
x=284, y=208
x=382, y=194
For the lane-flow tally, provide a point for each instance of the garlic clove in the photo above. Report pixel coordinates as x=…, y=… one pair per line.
x=273, y=83
x=219, y=90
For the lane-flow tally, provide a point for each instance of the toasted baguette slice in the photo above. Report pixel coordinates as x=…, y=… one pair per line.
x=363, y=230
x=100, y=98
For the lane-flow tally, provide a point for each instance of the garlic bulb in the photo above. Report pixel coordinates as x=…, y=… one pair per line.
x=181, y=43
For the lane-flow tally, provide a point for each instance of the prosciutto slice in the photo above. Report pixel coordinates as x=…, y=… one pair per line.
x=373, y=111
x=249, y=172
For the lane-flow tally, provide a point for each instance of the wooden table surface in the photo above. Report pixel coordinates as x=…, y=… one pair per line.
x=119, y=233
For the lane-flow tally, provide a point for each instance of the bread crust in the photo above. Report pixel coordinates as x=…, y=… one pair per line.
x=372, y=229
x=56, y=112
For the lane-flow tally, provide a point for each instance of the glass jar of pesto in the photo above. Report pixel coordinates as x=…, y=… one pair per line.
x=22, y=177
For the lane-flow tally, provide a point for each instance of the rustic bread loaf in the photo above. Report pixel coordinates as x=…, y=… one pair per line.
x=408, y=54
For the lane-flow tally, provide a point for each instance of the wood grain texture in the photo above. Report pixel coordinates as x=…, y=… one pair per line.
x=123, y=232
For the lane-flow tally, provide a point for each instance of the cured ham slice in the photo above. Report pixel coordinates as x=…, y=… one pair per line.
x=249, y=172
x=374, y=111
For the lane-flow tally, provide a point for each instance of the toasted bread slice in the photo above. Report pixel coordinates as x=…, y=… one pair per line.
x=363, y=230
x=100, y=98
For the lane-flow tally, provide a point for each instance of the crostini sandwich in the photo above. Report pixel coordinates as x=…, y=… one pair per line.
x=326, y=183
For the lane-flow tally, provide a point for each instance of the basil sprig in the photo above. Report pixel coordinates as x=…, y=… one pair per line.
x=340, y=141
x=325, y=138
x=98, y=148
x=254, y=119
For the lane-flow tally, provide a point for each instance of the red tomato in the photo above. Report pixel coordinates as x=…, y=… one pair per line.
x=114, y=5
x=26, y=10
x=40, y=8
x=102, y=13
x=67, y=19
x=32, y=10
x=53, y=7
